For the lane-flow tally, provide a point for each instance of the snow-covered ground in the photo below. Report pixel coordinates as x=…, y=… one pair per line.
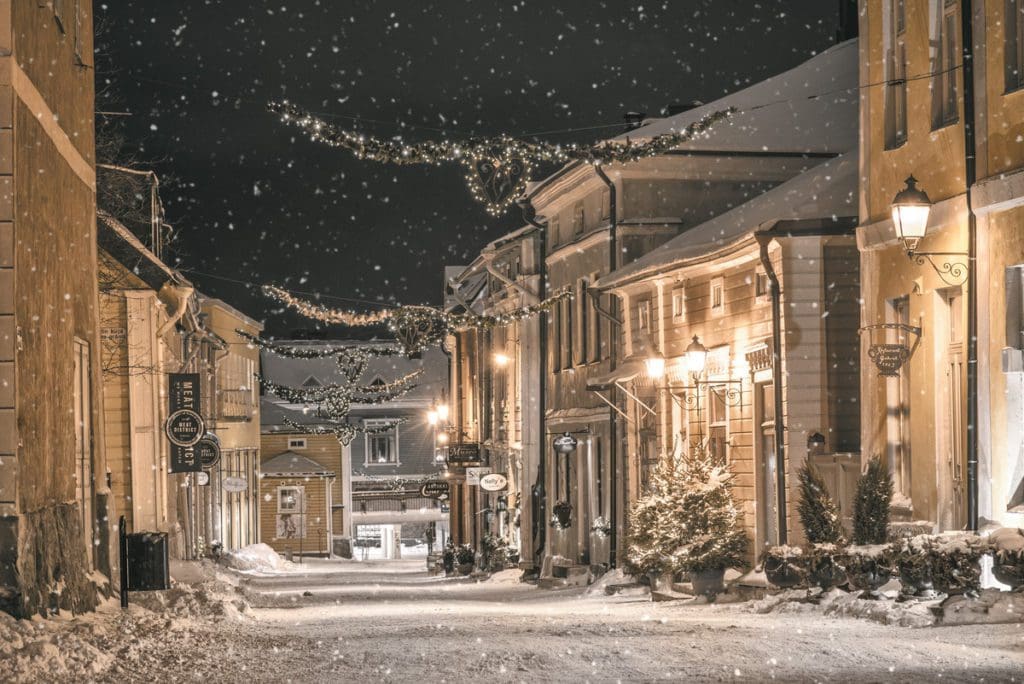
x=398, y=624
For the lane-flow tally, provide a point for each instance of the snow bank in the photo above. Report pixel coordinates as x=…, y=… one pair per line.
x=256, y=558
x=48, y=650
x=510, y=576
x=838, y=603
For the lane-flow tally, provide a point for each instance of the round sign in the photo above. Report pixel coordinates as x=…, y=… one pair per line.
x=493, y=482
x=234, y=484
x=202, y=478
x=208, y=450
x=565, y=444
x=184, y=428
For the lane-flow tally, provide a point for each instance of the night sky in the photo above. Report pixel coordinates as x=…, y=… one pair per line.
x=255, y=202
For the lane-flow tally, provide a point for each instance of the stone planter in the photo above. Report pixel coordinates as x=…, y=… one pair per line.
x=661, y=582
x=708, y=583
x=465, y=568
x=784, y=566
x=914, y=562
x=1007, y=547
x=868, y=568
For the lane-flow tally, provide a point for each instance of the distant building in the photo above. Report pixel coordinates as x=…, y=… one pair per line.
x=375, y=494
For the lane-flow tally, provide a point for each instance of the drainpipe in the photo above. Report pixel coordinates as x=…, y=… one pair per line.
x=970, y=173
x=538, y=494
x=763, y=240
x=613, y=250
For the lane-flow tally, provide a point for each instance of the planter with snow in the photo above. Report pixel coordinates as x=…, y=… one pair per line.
x=1007, y=547
x=825, y=566
x=915, y=560
x=868, y=567
x=784, y=566
x=956, y=568
x=708, y=583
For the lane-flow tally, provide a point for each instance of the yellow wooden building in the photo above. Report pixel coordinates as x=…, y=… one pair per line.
x=295, y=516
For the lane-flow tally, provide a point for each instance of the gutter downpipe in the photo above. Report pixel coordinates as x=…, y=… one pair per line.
x=530, y=216
x=970, y=173
x=763, y=240
x=613, y=460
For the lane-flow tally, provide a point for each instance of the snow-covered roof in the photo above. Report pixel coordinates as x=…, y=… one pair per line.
x=827, y=191
x=812, y=107
x=291, y=463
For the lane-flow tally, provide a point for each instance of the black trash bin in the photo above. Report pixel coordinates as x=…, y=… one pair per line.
x=148, y=568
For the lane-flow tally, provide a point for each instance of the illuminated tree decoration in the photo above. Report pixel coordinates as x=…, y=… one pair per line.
x=415, y=327
x=497, y=168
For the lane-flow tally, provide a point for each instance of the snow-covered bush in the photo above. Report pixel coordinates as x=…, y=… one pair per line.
x=464, y=554
x=871, y=505
x=688, y=522
x=1007, y=547
x=784, y=566
x=947, y=563
x=818, y=513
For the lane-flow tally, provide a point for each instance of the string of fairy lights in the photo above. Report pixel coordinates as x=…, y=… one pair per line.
x=497, y=168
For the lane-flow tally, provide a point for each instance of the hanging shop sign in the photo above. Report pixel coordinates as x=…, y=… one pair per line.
x=464, y=454
x=234, y=484
x=493, y=482
x=565, y=444
x=436, y=489
x=208, y=450
x=184, y=426
x=473, y=475
x=202, y=478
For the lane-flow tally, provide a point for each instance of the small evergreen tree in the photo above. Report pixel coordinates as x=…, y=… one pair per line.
x=818, y=513
x=871, y=505
x=688, y=522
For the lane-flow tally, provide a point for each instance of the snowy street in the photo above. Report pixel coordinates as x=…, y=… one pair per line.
x=391, y=622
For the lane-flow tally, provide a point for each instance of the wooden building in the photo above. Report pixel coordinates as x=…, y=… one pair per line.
x=295, y=516
x=918, y=416
x=57, y=525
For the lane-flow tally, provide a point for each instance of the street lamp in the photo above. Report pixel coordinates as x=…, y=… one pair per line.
x=910, y=210
x=696, y=357
x=501, y=359
x=655, y=365
x=432, y=417
x=442, y=412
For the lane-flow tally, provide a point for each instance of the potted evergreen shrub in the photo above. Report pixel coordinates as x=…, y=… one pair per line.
x=464, y=557
x=1007, y=547
x=645, y=554
x=702, y=531
x=956, y=566
x=869, y=560
x=784, y=566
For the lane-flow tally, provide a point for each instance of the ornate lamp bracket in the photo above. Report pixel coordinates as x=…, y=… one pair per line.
x=889, y=357
x=951, y=267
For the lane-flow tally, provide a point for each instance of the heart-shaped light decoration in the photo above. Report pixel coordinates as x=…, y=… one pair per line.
x=496, y=177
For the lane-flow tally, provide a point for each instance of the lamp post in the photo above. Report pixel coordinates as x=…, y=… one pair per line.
x=910, y=210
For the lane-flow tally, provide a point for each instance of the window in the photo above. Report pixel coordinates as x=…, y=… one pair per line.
x=577, y=219
x=718, y=424
x=381, y=442
x=894, y=31
x=291, y=499
x=643, y=316
x=553, y=230
x=595, y=324
x=296, y=442
x=584, y=321
x=717, y=296
x=555, y=337
x=606, y=204
x=944, y=59
x=678, y=303
x=567, y=306
x=236, y=389
x=84, y=483
x=1013, y=43
x=761, y=286
x=898, y=395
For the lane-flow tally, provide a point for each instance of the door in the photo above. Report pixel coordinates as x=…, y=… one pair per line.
x=897, y=393
x=952, y=513
x=767, y=500
x=84, y=483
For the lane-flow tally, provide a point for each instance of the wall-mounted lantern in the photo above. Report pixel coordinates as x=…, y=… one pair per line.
x=910, y=210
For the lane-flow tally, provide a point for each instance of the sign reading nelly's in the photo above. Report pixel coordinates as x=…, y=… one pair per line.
x=184, y=426
x=493, y=482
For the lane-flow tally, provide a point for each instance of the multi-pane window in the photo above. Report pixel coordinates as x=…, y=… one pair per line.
x=643, y=315
x=553, y=228
x=944, y=60
x=717, y=296
x=595, y=325
x=584, y=321
x=678, y=303
x=895, y=73
x=577, y=219
x=381, y=442
x=718, y=424
x=296, y=442
x=567, y=306
x=291, y=499
x=1013, y=43
x=760, y=285
x=236, y=388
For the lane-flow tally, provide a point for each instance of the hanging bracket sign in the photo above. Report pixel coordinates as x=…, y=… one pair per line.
x=435, y=489
x=184, y=427
x=473, y=475
x=208, y=450
x=565, y=444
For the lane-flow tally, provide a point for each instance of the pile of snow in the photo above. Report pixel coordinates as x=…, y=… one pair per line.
x=510, y=576
x=839, y=603
x=217, y=600
x=48, y=650
x=1007, y=540
x=627, y=584
x=256, y=558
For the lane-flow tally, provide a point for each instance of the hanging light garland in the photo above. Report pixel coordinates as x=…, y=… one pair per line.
x=497, y=168
x=344, y=432
x=415, y=327
x=354, y=352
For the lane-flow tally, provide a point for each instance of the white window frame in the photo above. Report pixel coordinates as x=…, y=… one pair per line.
x=643, y=316
x=297, y=443
x=1013, y=45
x=299, y=506
x=679, y=303
x=716, y=285
x=371, y=423
x=762, y=296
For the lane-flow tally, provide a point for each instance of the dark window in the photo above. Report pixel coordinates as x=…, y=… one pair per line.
x=945, y=58
x=1013, y=42
x=577, y=219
